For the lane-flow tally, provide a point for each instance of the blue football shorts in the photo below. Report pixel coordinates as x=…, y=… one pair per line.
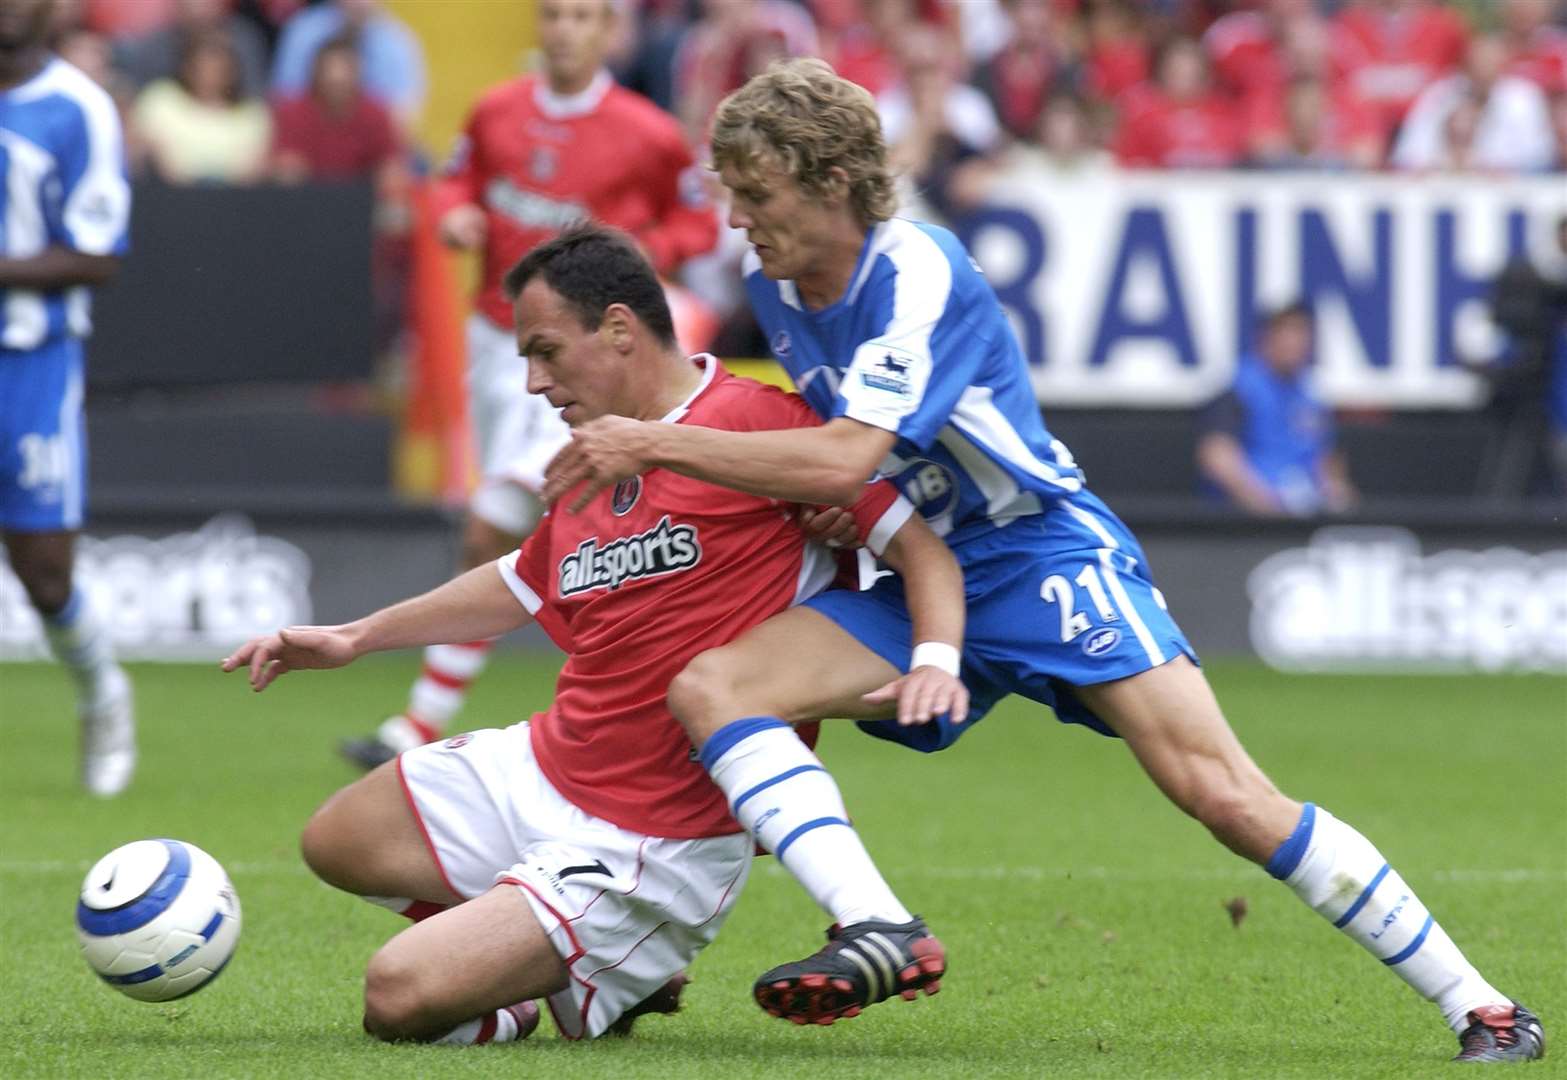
x=43, y=441
x=1055, y=600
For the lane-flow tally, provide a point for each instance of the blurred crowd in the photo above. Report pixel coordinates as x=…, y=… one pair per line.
x=233, y=91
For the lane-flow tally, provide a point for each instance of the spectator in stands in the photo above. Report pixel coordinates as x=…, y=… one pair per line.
x=1536, y=50
x=734, y=40
x=389, y=54
x=935, y=124
x=1020, y=78
x=198, y=127
x=156, y=55
x=1062, y=147
x=1116, y=57
x=1179, y=121
x=336, y=132
x=1247, y=47
x=1403, y=46
x=1313, y=119
x=853, y=40
x=93, y=53
x=1266, y=446
x=1528, y=379
x=1478, y=118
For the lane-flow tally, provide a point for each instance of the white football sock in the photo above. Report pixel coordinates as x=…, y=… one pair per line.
x=80, y=641
x=499, y=1026
x=438, y=694
x=778, y=790
x=1342, y=877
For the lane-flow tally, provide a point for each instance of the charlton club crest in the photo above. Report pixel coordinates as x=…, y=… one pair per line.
x=625, y=496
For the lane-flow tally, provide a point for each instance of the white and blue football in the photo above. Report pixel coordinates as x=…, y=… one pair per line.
x=158, y=919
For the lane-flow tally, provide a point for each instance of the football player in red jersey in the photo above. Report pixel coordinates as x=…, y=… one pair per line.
x=584, y=856
x=539, y=153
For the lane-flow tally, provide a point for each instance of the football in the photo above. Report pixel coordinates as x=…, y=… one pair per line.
x=158, y=919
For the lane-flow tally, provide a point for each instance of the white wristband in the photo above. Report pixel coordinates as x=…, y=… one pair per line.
x=936, y=654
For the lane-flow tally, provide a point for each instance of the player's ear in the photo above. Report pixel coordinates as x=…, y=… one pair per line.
x=837, y=186
x=617, y=327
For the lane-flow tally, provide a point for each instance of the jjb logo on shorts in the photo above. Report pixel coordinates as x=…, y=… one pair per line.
x=1101, y=641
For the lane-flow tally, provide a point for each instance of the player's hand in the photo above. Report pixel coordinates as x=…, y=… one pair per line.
x=464, y=227
x=601, y=452
x=293, y=648
x=830, y=525
x=922, y=695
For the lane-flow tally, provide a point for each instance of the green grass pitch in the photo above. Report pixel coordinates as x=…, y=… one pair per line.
x=1084, y=918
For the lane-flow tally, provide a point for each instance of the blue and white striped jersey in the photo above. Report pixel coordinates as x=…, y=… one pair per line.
x=919, y=346
x=62, y=155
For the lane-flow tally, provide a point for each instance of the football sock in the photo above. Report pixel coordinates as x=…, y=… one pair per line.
x=1342, y=877
x=413, y=910
x=499, y=1026
x=778, y=790
x=79, y=639
x=442, y=687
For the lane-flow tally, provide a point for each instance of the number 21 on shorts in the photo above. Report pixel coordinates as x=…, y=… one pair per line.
x=1057, y=590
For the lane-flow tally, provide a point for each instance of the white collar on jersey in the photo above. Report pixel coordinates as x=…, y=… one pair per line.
x=709, y=370
x=568, y=106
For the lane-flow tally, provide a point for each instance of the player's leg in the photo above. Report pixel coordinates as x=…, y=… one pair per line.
x=42, y=500
x=366, y=840
x=1170, y=719
x=466, y=975
x=516, y=434
x=736, y=703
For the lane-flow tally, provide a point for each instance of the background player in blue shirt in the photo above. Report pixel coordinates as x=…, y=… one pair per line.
x=1267, y=445
x=892, y=334
x=64, y=207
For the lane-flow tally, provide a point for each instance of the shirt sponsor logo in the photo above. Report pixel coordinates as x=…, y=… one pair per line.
x=890, y=375
x=663, y=549
x=1362, y=599
x=530, y=209
x=1101, y=641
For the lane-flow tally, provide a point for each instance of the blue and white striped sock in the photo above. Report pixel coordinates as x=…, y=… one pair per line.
x=80, y=641
x=1343, y=878
x=778, y=790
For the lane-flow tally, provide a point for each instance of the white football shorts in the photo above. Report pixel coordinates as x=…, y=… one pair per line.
x=515, y=432
x=625, y=911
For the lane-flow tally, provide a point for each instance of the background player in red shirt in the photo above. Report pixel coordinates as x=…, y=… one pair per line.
x=584, y=856
x=538, y=154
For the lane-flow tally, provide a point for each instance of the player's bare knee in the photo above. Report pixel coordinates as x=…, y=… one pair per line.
x=702, y=695
x=394, y=1006
x=48, y=585
x=323, y=849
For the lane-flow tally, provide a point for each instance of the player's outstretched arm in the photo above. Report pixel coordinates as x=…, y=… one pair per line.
x=826, y=464
x=476, y=605
x=933, y=589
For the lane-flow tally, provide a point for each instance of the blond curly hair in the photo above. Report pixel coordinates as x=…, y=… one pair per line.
x=802, y=116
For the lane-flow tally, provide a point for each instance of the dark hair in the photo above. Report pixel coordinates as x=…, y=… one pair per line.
x=590, y=267
x=1295, y=309
x=217, y=41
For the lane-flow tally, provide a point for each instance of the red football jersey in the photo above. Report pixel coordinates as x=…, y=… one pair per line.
x=537, y=162
x=651, y=573
x=1159, y=132
x=1402, y=53
x=1542, y=59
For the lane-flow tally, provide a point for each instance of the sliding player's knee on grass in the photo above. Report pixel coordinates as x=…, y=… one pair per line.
x=466, y=962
